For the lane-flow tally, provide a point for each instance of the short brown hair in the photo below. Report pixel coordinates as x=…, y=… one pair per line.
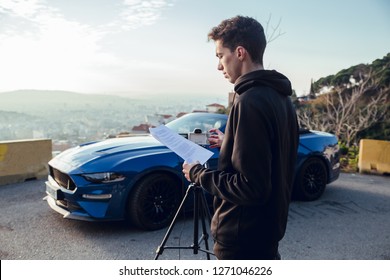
x=241, y=31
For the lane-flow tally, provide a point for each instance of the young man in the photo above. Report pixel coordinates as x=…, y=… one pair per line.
x=253, y=183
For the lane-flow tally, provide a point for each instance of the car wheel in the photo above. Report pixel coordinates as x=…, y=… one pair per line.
x=311, y=180
x=154, y=201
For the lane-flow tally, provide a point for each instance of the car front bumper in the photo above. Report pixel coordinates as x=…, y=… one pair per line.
x=66, y=214
x=89, y=206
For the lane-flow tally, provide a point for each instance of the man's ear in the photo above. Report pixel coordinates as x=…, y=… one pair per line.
x=241, y=53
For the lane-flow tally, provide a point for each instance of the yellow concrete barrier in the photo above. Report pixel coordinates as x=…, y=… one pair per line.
x=21, y=160
x=374, y=156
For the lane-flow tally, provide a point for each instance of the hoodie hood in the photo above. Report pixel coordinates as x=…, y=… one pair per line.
x=268, y=78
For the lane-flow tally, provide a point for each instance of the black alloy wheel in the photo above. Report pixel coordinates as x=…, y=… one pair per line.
x=311, y=180
x=154, y=201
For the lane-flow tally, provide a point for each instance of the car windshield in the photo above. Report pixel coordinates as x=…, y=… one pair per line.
x=204, y=121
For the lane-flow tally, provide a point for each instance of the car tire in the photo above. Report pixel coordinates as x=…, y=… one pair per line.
x=154, y=201
x=311, y=180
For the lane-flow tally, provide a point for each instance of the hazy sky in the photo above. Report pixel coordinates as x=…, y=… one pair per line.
x=160, y=46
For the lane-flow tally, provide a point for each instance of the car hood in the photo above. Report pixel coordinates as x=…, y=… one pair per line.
x=88, y=153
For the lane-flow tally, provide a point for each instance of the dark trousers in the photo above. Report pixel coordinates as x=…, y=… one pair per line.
x=246, y=253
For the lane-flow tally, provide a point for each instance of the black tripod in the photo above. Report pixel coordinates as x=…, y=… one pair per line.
x=200, y=210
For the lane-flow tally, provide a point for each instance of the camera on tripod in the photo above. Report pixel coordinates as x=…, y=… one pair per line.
x=198, y=137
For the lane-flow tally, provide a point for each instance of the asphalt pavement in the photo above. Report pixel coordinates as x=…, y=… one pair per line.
x=351, y=221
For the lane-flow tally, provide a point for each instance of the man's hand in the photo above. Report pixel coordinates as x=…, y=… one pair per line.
x=186, y=169
x=216, y=138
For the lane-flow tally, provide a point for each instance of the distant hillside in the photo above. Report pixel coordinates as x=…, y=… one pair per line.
x=380, y=69
x=78, y=118
x=367, y=118
x=49, y=102
x=39, y=102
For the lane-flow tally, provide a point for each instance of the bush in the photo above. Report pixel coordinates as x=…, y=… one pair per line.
x=349, y=158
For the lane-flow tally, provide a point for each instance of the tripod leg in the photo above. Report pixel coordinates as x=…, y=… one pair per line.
x=195, y=244
x=160, y=249
x=205, y=211
x=200, y=211
x=200, y=208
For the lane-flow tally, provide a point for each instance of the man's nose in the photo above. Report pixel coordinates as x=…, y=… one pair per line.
x=220, y=67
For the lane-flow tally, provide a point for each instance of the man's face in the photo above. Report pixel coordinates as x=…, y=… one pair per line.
x=228, y=62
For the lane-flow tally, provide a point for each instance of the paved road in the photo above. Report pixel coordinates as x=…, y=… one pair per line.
x=350, y=221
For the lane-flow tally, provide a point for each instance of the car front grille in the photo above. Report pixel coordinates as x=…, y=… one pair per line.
x=62, y=179
x=68, y=205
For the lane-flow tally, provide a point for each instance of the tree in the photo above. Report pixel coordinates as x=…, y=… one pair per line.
x=312, y=94
x=346, y=112
x=273, y=32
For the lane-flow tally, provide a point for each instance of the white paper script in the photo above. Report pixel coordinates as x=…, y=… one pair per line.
x=187, y=150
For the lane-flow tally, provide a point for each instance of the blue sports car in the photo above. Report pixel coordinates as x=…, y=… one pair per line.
x=139, y=179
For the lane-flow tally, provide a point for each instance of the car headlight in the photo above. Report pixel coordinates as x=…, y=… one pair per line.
x=104, y=177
